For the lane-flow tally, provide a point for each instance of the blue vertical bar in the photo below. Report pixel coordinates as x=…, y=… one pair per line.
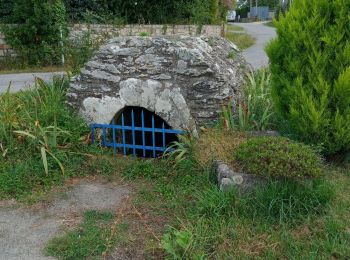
x=133, y=132
x=123, y=132
x=143, y=133
x=163, y=131
x=92, y=134
x=103, y=136
x=114, y=141
x=153, y=138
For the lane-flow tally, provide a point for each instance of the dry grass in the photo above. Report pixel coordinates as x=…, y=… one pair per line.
x=217, y=144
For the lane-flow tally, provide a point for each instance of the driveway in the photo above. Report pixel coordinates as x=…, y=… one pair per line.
x=255, y=55
x=23, y=81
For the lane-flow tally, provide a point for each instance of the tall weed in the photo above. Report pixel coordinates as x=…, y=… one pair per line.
x=255, y=108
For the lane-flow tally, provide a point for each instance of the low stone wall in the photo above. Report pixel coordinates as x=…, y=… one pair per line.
x=149, y=29
x=109, y=31
x=5, y=49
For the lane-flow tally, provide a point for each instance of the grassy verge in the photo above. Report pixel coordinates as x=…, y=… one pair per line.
x=242, y=40
x=232, y=27
x=270, y=24
x=90, y=239
x=178, y=211
x=7, y=70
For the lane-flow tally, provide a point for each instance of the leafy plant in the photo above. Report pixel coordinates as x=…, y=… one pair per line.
x=177, y=242
x=144, y=34
x=182, y=149
x=37, y=38
x=278, y=158
x=255, y=110
x=310, y=65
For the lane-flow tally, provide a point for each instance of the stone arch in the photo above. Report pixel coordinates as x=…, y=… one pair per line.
x=162, y=99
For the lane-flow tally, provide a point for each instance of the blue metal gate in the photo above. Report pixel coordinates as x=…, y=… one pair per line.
x=114, y=135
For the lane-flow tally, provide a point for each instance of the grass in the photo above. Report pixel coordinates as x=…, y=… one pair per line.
x=177, y=211
x=270, y=24
x=242, y=40
x=9, y=70
x=232, y=27
x=90, y=239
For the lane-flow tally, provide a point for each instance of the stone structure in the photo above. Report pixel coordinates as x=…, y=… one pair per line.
x=108, y=31
x=228, y=179
x=5, y=49
x=97, y=30
x=184, y=80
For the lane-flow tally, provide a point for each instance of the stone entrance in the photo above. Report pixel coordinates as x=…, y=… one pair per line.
x=183, y=80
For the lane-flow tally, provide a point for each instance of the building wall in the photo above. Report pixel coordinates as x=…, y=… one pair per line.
x=109, y=31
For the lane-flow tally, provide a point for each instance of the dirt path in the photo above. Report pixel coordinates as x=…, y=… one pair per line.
x=25, y=230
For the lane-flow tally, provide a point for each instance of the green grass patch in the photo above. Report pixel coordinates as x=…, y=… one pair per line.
x=242, y=40
x=270, y=24
x=232, y=27
x=92, y=238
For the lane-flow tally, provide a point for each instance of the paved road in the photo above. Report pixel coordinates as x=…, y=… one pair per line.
x=23, y=80
x=255, y=55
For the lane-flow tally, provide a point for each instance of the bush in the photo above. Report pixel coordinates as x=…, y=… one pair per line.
x=310, y=65
x=278, y=157
x=35, y=32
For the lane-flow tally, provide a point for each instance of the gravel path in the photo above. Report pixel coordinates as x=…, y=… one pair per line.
x=23, y=80
x=255, y=55
x=25, y=230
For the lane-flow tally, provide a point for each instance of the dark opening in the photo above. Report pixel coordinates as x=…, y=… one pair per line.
x=158, y=123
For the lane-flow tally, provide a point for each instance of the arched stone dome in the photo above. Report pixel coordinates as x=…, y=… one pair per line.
x=184, y=80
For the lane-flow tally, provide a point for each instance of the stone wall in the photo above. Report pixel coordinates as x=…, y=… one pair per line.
x=5, y=49
x=109, y=31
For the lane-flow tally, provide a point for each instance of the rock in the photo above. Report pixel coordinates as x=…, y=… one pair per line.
x=184, y=80
x=228, y=179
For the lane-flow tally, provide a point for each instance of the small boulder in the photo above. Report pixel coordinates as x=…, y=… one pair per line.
x=228, y=179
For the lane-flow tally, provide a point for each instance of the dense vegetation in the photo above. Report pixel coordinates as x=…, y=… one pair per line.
x=130, y=11
x=38, y=31
x=311, y=81
x=278, y=157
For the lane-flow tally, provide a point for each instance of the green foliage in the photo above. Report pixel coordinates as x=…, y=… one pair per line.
x=79, y=50
x=255, y=110
x=89, y=240
x=287, y=201
x=182, y=149
x=278, y=157
x=145, y=169
x=35, y=32
x=37, y=126
x=176, y=242
x=310, y=65
x=242, y=40
x=148, y=11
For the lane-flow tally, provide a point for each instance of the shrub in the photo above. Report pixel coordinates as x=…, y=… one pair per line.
x=37, y=31
x=255, y=110
x=278, y=157
x=310, y=65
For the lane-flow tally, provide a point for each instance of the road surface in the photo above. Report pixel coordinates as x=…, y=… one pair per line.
x=255, y=55
x=23, y=80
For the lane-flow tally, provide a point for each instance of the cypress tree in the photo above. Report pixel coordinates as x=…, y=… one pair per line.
x=310, y=65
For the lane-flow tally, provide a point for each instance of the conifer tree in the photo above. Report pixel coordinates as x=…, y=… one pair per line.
x=310, y=65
